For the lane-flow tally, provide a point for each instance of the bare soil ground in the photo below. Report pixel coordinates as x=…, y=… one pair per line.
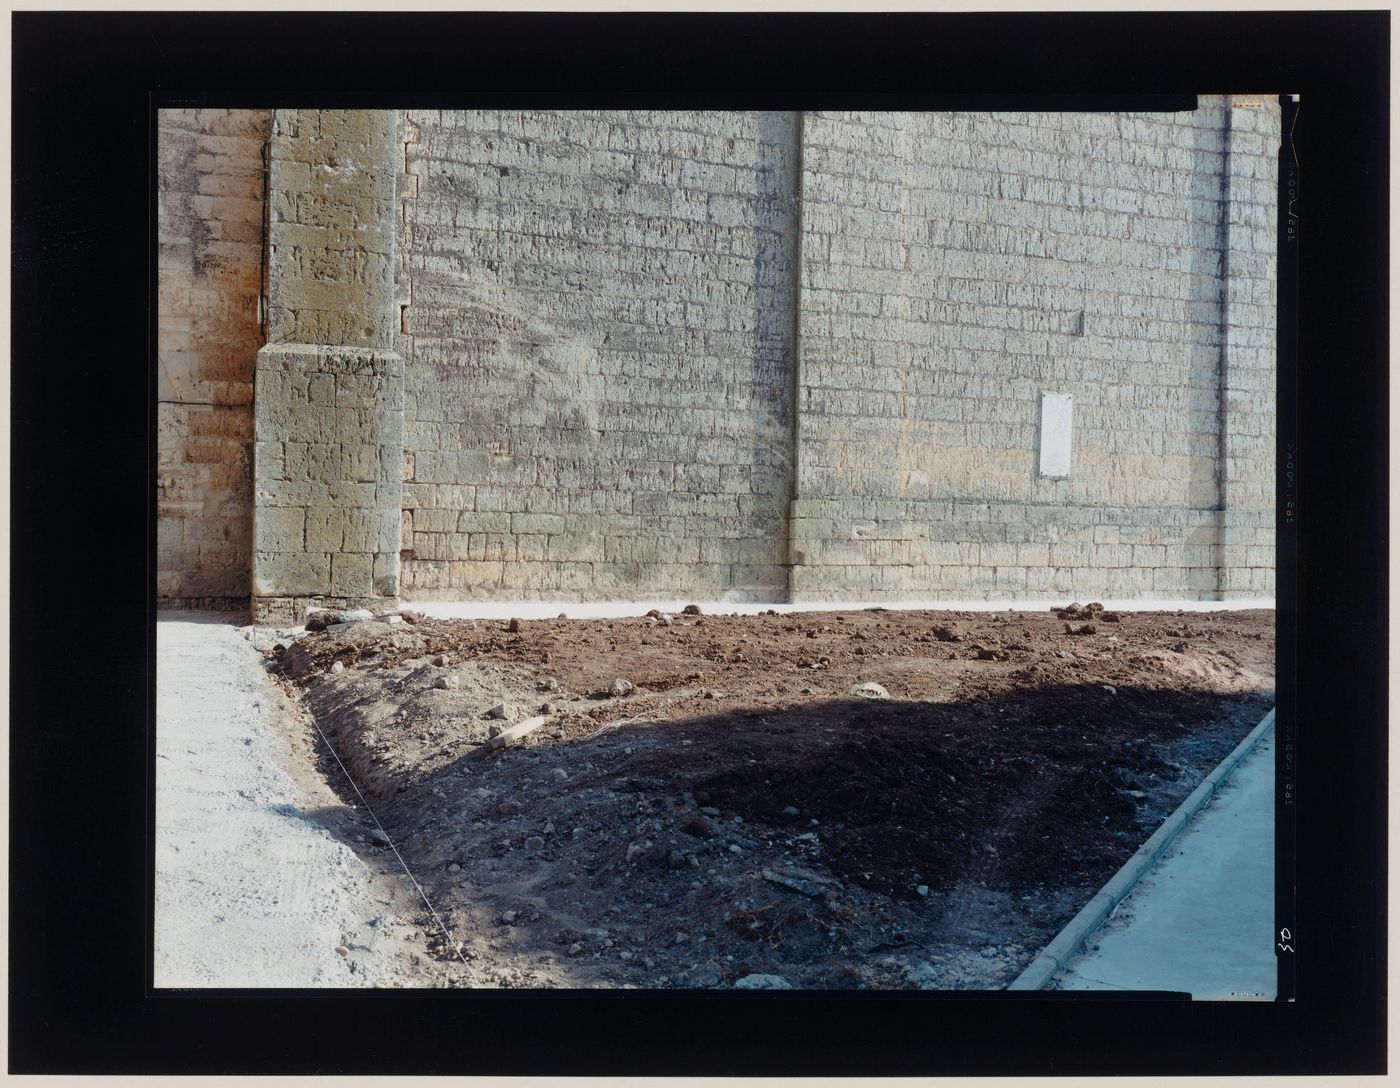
x=739, y=812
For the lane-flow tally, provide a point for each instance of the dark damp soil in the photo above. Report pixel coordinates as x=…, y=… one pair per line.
x=739, y=811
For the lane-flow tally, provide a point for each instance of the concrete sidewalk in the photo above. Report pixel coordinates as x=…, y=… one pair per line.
x=530, y=610
x=1201, y=920
x=249, y=891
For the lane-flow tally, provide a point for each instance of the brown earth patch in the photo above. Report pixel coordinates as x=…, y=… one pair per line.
x=739, y=811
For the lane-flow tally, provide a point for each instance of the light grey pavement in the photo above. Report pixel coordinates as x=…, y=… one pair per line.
x=1201, y=920
x=249, y=890
x=526, y=610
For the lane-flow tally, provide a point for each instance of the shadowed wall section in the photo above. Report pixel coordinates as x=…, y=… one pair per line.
x=209, y=194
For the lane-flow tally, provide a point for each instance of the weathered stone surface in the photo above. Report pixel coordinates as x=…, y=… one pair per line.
x=209, y=194
x=601, y=315
x=597, y=337
x=1075, y=253
x=309, y=500
x=331, y=227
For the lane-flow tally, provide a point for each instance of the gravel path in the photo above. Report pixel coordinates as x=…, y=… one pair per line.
x=252, y=889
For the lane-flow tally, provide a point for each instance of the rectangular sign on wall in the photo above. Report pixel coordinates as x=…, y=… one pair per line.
x=1055, y=433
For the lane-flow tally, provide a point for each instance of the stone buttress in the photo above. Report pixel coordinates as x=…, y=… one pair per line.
x=328, y=397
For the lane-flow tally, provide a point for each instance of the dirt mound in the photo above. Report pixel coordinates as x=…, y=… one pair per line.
x=738, y=812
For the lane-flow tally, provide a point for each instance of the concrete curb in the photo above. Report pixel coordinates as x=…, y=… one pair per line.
x=1069, y=940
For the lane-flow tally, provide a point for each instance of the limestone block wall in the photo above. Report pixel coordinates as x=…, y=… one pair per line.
x=747, y=355
x=957, y=266
x=858, y=549
x=209, y=191
x=597, y=321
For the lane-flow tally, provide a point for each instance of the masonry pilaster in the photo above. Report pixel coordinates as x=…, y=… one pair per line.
x=328, y=398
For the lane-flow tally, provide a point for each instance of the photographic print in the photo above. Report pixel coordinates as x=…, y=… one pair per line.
x=718, y=549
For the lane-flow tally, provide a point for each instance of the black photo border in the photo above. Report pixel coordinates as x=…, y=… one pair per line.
x=84, y=86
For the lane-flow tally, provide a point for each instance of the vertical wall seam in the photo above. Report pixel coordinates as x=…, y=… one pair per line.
x=1227, y=201
x=264, y=327
x=263, y=242
x=1222, y=449
x=795, y=466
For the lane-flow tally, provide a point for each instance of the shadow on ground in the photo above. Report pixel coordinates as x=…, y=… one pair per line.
x=834, y=844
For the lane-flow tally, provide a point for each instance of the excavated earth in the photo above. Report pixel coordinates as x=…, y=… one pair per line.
x=739, y=816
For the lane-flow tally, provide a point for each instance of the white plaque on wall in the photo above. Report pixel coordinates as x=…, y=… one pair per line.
x=1056, y=410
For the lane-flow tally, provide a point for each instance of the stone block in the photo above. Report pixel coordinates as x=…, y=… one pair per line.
x=386, y=575
x=279, y=529
x=325, y=529
x=352, y=574
x=360, y=462
x=290, y=574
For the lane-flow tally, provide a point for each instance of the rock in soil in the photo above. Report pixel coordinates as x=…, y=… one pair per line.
x=870, y=690
x=803, y=881
x=696, y=824
x=516, y=732
x=763, y=982
x=321, y=618
x=620, y=686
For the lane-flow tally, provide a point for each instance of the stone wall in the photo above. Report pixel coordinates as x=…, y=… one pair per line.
x=597, y=332
x=331, y=227
x=956, y=267
x=609, y=354
x=210, y=205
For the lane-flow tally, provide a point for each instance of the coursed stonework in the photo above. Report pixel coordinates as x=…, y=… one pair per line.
x=209, y=193
x=746, y=355
x=329, y=400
